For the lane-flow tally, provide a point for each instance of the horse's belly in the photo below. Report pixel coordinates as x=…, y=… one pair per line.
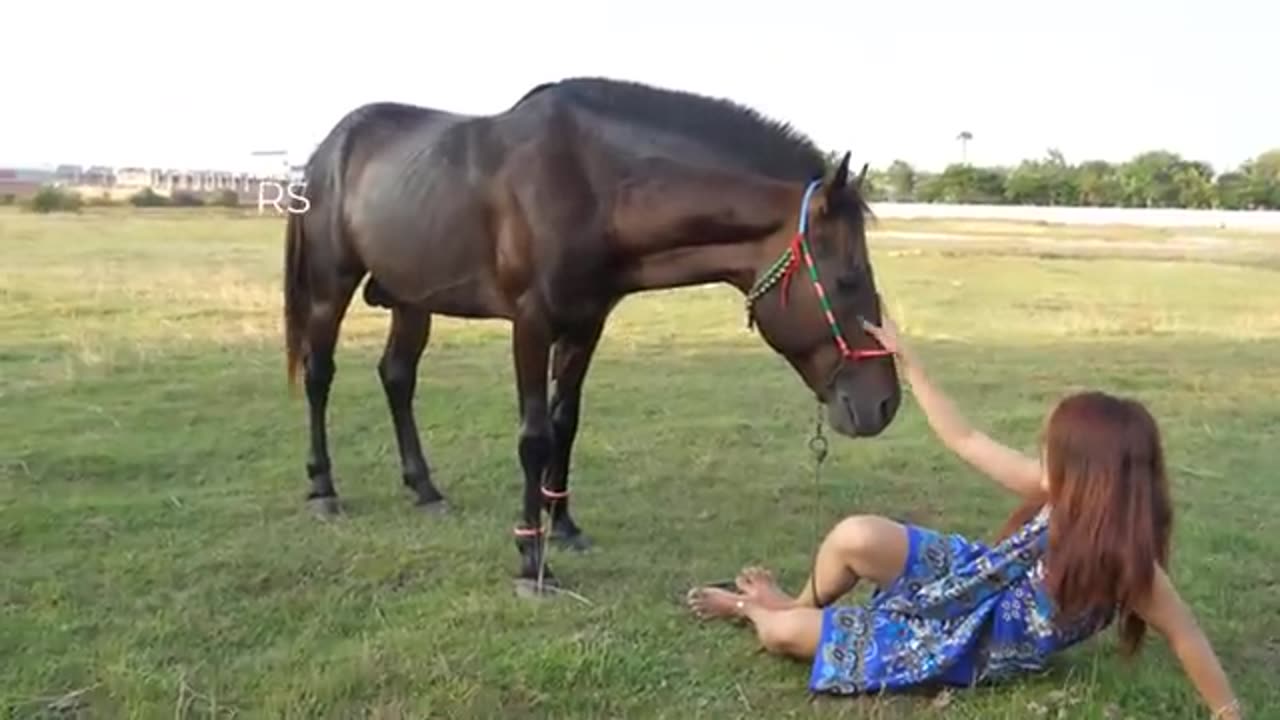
x=423, y=246
x=449, y=278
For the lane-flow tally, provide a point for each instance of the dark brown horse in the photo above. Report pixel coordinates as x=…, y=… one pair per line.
x=547, y=215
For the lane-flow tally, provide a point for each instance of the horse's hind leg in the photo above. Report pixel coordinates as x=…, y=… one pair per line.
x=398, y=369
x=571, y=358
x=327, y=311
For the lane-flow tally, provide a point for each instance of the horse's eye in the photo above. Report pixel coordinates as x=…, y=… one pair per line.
x=849, y=281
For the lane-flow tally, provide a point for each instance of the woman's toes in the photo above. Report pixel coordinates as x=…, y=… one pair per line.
x=697, y=602
x=712, y=603
x=754, y=578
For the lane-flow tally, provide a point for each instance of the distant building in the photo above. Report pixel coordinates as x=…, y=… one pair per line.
x=98, y=176
x=167, y=182
x=68, y=174
x=133, y=177
x=121, y=183
x=21, y=183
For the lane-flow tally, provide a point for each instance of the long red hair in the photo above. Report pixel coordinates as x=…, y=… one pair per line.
x=1111, y=518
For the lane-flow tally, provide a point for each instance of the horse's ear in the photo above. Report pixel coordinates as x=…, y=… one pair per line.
x=839, y=176
x=836, y=183
x=862, y=175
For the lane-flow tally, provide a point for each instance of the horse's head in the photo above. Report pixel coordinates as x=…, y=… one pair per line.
x=809, y=303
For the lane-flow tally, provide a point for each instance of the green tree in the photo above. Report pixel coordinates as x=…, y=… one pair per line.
x=1148, y=179
x=1194, y=181
x=1064, y=181
x=1028, y=184
x=146, y=197
x=1165, y=179
x=1099, y=184
x=901, y=181
x=1156, y=178
x=966, y=184
x=1050, y=181
x=50, y=199
x=1231, y=189
x=875, y=186
x=927, y=189
x=185, y=198
x=1263, y=173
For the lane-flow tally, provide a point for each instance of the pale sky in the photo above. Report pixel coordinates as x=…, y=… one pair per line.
x=180, y=84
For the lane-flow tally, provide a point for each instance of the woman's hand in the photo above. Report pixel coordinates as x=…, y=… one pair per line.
x=886, y=334
x=1008, y=467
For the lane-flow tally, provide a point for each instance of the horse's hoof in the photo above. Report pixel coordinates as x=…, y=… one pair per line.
x=325, y=508
x=578, y=542
x=529, y=589
x=434, y=507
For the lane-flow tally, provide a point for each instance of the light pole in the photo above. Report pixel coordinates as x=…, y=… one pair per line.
x=964, y=137
x=284, y=161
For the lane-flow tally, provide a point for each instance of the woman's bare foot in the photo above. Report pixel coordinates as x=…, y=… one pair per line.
x=708, y=603
x=758, y=584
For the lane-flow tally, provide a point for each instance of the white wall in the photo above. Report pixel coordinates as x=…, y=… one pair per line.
x=1145, y=217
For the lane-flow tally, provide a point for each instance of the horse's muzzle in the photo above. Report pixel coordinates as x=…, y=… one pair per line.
x=865, y=409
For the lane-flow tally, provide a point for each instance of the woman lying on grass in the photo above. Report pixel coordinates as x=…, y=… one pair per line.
x=1087, y=547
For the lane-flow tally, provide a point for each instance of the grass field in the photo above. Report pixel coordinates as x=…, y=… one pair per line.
x=156, y=559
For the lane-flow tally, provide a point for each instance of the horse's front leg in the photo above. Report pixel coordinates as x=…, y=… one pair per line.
x=531, y=341
x=571, y=359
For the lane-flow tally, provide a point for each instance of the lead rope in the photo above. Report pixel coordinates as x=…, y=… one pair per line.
x=818, y=447
x=550, y=498
x=544, y=544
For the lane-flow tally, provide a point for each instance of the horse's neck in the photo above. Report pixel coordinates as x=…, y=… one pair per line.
x=680, y=231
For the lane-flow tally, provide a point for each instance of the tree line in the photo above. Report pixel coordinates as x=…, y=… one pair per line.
x=1154, y=179
x=52, y=199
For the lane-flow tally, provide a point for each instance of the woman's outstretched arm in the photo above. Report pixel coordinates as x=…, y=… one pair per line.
x=1165, y=611
x=1014, y=470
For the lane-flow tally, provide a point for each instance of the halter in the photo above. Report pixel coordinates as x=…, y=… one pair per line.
x=784, y=267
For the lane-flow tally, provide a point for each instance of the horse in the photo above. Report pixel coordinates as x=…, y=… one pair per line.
x=548, y=214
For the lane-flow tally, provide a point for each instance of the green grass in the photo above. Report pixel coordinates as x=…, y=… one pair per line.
x=157, y=559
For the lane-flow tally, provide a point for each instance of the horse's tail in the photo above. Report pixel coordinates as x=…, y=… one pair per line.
x=297, y=295
x=324, y=174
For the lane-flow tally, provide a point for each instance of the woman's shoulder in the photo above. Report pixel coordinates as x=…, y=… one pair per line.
x=1037, y=524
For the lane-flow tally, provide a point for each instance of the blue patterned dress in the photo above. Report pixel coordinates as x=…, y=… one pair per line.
x=961, y=613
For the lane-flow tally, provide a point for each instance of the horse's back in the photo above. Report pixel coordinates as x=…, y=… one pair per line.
x=358, y=141
x=410, y=203
x=443, y=209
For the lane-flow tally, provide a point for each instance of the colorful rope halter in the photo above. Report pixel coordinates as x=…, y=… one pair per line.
x=784, y=267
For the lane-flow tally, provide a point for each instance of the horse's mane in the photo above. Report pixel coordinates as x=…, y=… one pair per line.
x=768, y=146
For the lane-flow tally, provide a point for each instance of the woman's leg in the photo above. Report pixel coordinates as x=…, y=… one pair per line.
x=860, y=546
x=792, y=632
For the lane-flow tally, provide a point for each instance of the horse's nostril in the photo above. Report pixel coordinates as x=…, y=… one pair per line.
x=886, y=409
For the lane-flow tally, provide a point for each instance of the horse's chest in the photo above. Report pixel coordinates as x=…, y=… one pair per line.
x=575, y=289
x=564, y=308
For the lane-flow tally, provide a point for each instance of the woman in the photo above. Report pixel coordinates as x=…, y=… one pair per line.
x=1087, y=547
